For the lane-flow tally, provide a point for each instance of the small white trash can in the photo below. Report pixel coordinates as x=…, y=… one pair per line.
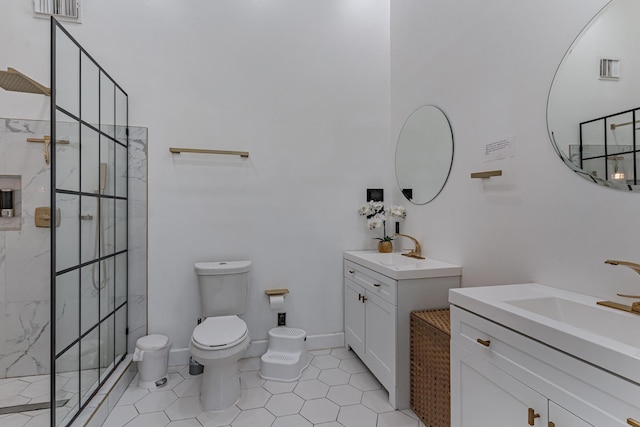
x=152, y=355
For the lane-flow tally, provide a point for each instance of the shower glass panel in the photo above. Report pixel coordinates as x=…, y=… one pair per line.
x=89, y=365
x=107, y=287
x=67, y=309
x=90, y=91
x=121, y=279
x=121, y=332
x=107, y=105
x=66, y=366
x=68, y=233
x=121, y=170
x=121, y=116
x=89, y=300
x=107, y=164
x=89, y=256
x=66, y=148
x=89, y=157
x=89, y=232
x=107, y=353
x=68, y=95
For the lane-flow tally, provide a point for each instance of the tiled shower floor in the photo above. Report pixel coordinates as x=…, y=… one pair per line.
x=36, y=389
x=335, y=390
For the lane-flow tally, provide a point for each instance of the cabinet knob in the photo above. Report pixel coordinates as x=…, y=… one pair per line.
x=485, y=343
x=633, y=422
x=532, y=416
x=351, y=271
x=377, y=285
x=359, y=297
x=364, y=298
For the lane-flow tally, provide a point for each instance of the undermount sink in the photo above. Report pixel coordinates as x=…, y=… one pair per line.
x=568, y=321
x=592, y=318
x=398, y=266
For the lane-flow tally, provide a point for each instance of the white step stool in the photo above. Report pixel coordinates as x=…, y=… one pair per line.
x=286, y=356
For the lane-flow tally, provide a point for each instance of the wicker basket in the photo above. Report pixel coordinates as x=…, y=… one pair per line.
x=430, y=385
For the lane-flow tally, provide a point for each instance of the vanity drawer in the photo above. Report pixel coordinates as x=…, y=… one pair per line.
x=566, y=380
x=376, y=283
x=480, y=338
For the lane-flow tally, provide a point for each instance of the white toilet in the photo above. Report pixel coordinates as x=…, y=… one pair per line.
x=220, y=340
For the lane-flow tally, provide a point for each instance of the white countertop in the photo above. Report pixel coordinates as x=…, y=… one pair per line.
x=567, y=321
x=399, y=267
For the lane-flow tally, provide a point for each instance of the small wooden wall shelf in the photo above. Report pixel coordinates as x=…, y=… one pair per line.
x=487, y=174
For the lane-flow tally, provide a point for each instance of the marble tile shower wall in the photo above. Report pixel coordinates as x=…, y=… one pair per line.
x=137, y=235
x=25, y=254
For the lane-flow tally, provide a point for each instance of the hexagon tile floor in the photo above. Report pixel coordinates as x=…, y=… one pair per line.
x=335, y=390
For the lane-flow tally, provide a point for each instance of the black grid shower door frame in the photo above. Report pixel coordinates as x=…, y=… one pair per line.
x=606, y=125
x=54, y=273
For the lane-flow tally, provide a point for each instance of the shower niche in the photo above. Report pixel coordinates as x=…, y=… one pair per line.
x=10, y=202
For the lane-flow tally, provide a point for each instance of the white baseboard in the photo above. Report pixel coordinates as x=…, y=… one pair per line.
x=180, y=356
x=322, y=341
x=256, y=349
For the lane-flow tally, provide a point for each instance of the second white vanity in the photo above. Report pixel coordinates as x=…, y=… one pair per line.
x=380, y=292
x=531, y=355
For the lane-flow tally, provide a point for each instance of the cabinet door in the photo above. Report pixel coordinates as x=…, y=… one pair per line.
x=560, y=417
x=483, y=395
x=354, y=312
x=380, y=339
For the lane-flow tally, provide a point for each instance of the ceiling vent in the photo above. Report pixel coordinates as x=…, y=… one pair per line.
x=66, y=10
x=610, y=69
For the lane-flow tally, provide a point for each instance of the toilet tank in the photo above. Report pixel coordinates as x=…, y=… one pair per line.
x=223, y=287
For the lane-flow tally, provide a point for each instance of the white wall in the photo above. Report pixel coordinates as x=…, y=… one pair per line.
x=489, y=66
x=304, y=86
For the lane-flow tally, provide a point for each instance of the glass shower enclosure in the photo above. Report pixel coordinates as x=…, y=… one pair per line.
x=89, y=225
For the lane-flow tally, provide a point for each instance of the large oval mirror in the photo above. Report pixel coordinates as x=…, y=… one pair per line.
x=594, y=102
x=424, y=154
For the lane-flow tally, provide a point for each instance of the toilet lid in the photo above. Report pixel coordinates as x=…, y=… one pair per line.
x=220, y=331
x=221, y=267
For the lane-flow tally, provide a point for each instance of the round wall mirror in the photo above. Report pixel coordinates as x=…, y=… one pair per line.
x=593, y=111
x=424, y=154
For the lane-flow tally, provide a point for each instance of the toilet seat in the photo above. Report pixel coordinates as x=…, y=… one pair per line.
x=218, y=333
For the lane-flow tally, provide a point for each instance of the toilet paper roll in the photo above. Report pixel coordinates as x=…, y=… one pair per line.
x=276, y=302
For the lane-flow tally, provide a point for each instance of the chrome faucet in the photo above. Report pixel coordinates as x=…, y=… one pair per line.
x=417, y=251
x=635, y=306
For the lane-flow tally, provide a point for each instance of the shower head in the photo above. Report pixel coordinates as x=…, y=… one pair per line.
x=15, y=81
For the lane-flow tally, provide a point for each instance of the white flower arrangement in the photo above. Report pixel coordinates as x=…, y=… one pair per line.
x=377, y=216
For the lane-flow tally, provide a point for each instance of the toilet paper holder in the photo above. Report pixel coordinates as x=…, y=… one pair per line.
x=276, y=292
x=276, y=298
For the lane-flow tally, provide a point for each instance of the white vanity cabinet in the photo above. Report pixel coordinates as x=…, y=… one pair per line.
x=377, y=310
x=370, y=321
x=489, y=396
x=501, y=378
